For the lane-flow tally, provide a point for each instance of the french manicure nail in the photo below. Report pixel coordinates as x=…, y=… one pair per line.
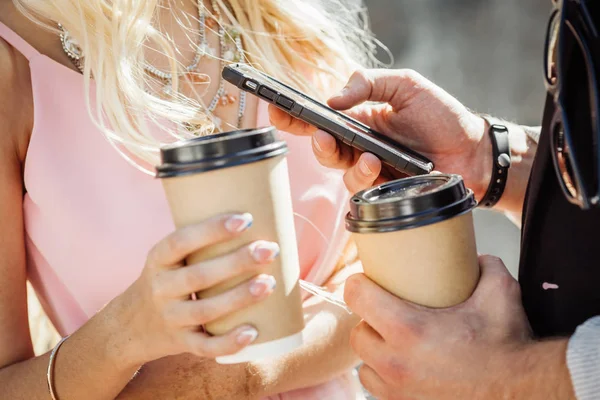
x=364, y=168
x=264, y=252
x=247, y=336
x=239, y=223
x=262, y=285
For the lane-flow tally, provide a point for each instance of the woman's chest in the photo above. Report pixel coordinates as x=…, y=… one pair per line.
x=90, y=214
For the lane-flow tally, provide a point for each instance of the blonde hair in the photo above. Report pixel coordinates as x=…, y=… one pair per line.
x=311, y=44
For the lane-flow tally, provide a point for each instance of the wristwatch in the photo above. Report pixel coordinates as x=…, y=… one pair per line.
x=501, y=161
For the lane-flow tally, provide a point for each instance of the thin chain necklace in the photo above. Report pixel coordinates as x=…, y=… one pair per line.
x=231, y=51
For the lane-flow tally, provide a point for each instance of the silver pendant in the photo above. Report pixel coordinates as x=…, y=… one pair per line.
x=70, y=45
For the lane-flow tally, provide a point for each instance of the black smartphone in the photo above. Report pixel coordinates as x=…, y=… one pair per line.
x=345, y=129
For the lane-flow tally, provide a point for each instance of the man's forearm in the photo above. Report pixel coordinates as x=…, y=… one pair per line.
x=537, y=372
x=523, y=146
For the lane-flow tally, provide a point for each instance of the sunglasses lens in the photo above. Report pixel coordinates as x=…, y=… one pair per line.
x=562, y=160
x=551, y=53
x=579, y=137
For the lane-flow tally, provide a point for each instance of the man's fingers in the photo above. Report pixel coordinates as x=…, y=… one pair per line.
x=390, y=316
x=325, y=148
x=330, y=153
x=285, y=122
x=386, y=86
x=363, y=174
x=497, y=289
x=358, y=90
x=494, y=275
x=360, y=174
x=369, y=346
x=373, y=383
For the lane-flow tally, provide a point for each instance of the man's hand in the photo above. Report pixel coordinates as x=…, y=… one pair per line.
x=479, y=350
x=412, y=111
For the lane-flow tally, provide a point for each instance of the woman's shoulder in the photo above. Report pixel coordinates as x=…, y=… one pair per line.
x=34, y=38
x=16, y=97
x=16, y=103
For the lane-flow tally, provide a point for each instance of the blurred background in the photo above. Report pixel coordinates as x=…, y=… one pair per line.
x=487, y=53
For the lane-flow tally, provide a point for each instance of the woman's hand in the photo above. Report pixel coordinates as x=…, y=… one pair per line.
x=156, y=312
x=412, y=111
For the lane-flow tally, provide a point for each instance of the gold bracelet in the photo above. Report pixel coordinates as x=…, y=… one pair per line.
x=50, y=373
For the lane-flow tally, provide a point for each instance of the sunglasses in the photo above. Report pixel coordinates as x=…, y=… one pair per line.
x=571, y=62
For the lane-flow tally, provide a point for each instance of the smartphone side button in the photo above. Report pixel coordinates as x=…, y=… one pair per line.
x=250, y=84
x=296, y=110
x=285, y=102
x=267, y=93
x=349, y=138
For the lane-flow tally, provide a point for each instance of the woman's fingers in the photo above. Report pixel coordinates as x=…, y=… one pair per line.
x=194, y=278
x=363, y=174
x=285, y=122
x=172, y=250
x=203, y=345
x=198, y=312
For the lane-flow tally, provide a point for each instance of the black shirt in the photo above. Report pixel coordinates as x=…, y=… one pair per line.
x=560, y=243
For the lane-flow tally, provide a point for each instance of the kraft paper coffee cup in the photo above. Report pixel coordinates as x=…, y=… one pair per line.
x=237, y=172
x=415, y=238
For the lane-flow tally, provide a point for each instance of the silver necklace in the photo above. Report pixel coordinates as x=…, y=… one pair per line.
x=231, y=51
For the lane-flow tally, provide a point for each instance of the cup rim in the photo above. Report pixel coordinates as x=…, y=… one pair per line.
x=447, y=201
x=216, y=158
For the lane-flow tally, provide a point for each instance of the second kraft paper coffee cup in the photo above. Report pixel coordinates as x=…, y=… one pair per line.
x=238, y=172
x=415, y=238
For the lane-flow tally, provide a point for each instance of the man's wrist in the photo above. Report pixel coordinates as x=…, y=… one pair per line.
x=522, y=147
x=483, y=157
x=538, y=371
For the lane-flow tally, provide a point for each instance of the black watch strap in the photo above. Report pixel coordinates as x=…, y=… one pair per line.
x=500, y=165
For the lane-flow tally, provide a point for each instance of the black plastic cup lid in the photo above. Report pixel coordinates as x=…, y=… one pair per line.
x=409, y=203
x=224, y=150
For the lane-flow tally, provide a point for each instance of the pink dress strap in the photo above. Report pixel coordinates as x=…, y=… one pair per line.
x=17, y=42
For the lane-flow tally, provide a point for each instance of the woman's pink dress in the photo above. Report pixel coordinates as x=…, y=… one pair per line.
x=91, y=218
